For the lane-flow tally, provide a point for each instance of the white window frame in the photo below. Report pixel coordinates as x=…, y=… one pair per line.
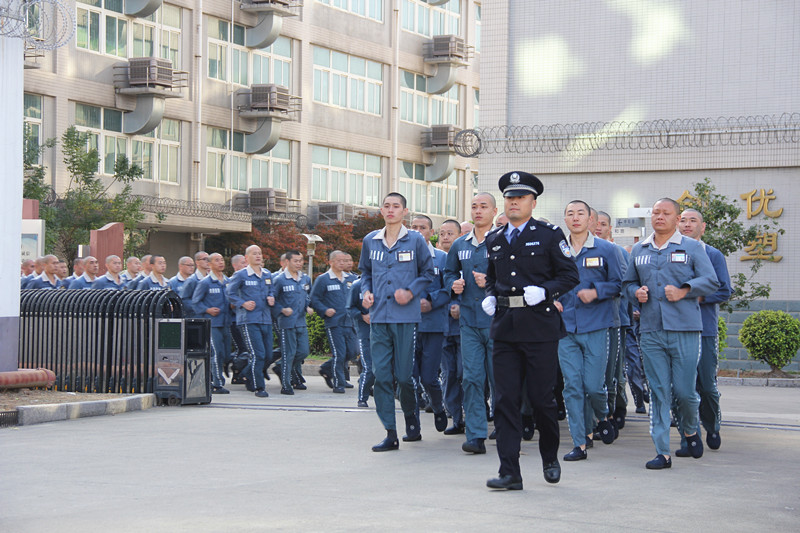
x=417, y=106
x=233, y=55
x=356, y=182
x=336, y=87
x=372, y=9
x=418, y=17
x=275, y=61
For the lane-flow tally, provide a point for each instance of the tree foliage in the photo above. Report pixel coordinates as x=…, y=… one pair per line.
x=87, y=202
x=727, y=233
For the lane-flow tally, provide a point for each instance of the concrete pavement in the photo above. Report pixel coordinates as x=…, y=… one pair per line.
x=304, y=462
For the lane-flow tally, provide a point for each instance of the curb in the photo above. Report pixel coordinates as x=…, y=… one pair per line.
x=760, y=382
x=38, y=414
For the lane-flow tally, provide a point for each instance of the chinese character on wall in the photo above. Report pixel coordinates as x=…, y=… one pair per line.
x=764, y=247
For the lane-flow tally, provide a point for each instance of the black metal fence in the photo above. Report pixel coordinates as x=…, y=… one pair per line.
x=94, y=340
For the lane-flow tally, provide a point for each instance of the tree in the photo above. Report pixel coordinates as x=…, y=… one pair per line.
x=86, y=204
x=728, y=234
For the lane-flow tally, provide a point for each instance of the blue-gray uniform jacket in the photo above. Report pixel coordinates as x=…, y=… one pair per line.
x=133, y=284
x=349, y=279
x=465, y=256
x=292, y=293
x=355, y=309
x=81, y=282
x=435, y=320
x=330, y=293
x=406, y=265
x=125, y=277
x=244, y=286
x=540, y=256
x=151, y=283
x=188, y=291
x=681, y=263
x=709, y=307
x=66, y=282
x=107, y=282
x=621, y=316
x=599, y=269
x=42, y=282
x=453, y=325
x=25, y=280
x=176, y=283
x=210, y=292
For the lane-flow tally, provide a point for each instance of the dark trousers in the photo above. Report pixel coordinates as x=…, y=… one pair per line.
x=427, y=362
x=534, y=364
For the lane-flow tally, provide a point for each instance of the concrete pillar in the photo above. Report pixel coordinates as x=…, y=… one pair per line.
x=11, y=117
x=108, y=240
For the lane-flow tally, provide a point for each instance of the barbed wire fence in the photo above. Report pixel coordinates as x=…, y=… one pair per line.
x=42, y=24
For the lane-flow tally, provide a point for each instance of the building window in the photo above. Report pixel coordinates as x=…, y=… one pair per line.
x=345, y=176
x=228, y=58
x=477, y=27
x=274, y=63
x=430, y=198
x=424, y=19
x=419, y=107
x=33, y=122
x=227, y=164
x=371, y=9
x=347, y=81
x=103, y=21
x=476, y=108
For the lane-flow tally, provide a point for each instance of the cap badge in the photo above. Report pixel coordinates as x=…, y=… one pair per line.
x=514, y=178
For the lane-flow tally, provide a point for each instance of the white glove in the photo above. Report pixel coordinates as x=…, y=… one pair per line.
x=489, y=305
x=534, y=295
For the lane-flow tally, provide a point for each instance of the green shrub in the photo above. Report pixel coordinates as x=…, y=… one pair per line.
x=772, y=337
x=317, y=336
x=722, y=335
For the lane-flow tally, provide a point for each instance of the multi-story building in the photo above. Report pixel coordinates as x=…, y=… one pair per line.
x=278, y=109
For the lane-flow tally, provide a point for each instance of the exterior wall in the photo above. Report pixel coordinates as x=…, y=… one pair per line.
x=71, y=75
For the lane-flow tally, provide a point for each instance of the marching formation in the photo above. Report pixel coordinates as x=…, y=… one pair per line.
x=507, y=319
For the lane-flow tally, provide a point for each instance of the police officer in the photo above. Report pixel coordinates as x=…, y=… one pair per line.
x=530, y=265
x=587, y=312
x=692, y=225
x=434, y=305
x=396, y=268
x=329, y=299
x=250, y=292
x=666, y=274
x=112, y=278
x=465, y=275
x=211, y=302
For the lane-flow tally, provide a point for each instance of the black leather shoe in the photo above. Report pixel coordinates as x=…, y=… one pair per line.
x=440, y=421
x=287, y=392
x=683, y=451
x=389, y=443
x=363, y=404
x=338, y=390
x=413, y=433
x=493, y=434
x=261, y=393
x=552, y=471
x=455, y=429
x=528, y=426
x=505, y=483
x=348, y=385
x=713, y=440
x=474, y=446
x=299, y=386
x=327, y=378
x=576, y=454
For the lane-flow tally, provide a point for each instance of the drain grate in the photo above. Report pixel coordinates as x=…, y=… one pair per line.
x=8, y=419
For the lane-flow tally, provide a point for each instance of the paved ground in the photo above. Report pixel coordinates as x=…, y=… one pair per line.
x=303, y=462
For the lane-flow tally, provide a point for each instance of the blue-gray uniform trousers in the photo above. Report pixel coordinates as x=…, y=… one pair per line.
x=294, y=350
x=342, y=343
x=613, y=365
x=366, y=379
x=709, y=414
x=583, y=359
x=220, y=352
x=427, y=362
x=258, y=341
x=476, y=355
x=453, y=372
x=670, y=362
x=633, y=366
x=392, y=348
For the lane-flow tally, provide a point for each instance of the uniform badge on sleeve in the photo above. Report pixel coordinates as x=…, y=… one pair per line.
x=564, y=248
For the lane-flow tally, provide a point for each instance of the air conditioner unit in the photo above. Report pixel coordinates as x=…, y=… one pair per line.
x=443, y=134
x=259, y=199
x=270, y=96
x=449, y=46
x=149, y=71
x=331, y=212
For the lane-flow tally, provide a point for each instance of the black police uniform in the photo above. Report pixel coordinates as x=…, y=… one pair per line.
x=526, y=337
